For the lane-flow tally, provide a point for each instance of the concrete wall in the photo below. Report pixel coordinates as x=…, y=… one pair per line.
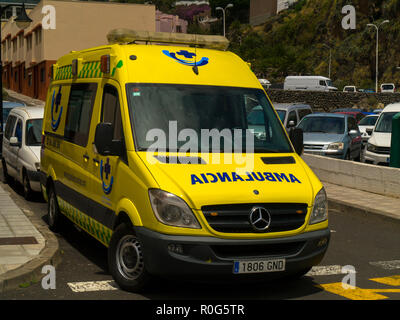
x=356, y=175
x=327, y=101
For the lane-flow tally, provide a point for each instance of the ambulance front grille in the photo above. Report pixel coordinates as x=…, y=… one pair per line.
x=235, y=218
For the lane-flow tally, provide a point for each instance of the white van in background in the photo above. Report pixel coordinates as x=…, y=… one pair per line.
x=388, y=87
x=378, y=146
x=309, y=83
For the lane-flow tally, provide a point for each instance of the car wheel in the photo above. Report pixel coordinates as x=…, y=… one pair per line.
x=6, y=177
x=54, y=215
x=27, y=186
x=126, y=261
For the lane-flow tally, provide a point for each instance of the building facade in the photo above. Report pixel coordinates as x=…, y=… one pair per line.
x=170, y=23
x=261, y=10
x=28, y=54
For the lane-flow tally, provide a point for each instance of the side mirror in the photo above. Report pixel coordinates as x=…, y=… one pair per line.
x=103, y=141
x=14, y=142
x=296, y=136
x=353, y=132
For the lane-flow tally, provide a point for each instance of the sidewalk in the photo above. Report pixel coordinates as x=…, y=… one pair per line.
x=343, y=199
x=26, y=245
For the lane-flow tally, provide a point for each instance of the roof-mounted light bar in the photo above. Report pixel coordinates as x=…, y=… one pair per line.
x=124, y=36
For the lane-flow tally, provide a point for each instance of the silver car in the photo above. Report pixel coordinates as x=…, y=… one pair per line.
x=291, y=113
x=331, y=134
x=21, y=147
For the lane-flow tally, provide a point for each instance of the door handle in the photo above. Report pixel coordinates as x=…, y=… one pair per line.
x=86, y=157
x=96, y=162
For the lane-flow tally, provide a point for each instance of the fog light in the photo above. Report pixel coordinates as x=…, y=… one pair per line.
x=176, y=248
x=322, y=242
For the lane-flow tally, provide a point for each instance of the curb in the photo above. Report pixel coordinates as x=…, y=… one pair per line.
x=31, y=272
x=343, y=206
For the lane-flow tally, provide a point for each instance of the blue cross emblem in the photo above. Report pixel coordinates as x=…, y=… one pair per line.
x=107, y=168
x=186, y=54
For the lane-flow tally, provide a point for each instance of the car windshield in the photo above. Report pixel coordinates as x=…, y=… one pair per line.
x=191, y=117
x=323, y=125
x=33, y=132
x=384, y=123
x=281, y=114
x=368, y=121
x=329, y=83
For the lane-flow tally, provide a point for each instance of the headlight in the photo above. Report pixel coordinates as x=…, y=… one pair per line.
x=320, y=209
x=172, y=210
x=371, y=147
x=336, y=146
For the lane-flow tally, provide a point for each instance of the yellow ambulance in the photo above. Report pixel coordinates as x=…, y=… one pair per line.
x=167, y=150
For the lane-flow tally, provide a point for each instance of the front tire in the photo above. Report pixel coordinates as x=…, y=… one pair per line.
x=27, y=187
x=54, y=215
x=126, y=261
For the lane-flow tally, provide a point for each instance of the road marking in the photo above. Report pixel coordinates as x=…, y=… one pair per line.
x=387, y=265
x=326, y=270
x=390, y=281
x=355, y=293
x=90, y=286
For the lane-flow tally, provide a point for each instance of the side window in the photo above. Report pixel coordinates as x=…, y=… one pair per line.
x=292, y=117
x=18, y=130
x=111, y=111
x=351, y=123
x=79, y=113
x=9, y=127
x=322, y=83
x=303, y=113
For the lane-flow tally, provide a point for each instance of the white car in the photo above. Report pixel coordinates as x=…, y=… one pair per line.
x=265, y=83
x=387, y=87
x=366, y=126
x=21, y=147
x=349, y=89
x=378, y=146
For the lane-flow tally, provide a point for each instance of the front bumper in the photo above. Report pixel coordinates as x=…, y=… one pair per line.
x=337, y=154
x=208, y=257
x=376, y=158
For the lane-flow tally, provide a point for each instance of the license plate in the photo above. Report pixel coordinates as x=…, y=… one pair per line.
x=259, y=266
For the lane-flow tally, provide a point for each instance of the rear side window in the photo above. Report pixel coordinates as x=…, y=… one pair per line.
x=9, y=127
x=111, y=111
x=79, y=113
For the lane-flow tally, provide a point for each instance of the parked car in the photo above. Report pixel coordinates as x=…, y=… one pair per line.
x=308, y=83
x=7, y=106
x=331, y=134
x=366, y=126
x=377, y=111
x=388, y=87
x=356, y=114
x=265, y=83
x=21, y=147
x=349, y=89
x=291, y=113
x=378, y=146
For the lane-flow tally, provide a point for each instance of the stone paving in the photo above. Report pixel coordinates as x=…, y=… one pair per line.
x=16, y=228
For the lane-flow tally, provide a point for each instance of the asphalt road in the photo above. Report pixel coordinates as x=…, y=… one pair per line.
x=368, y=244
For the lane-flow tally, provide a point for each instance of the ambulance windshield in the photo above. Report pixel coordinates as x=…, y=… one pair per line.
x=182, y=118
